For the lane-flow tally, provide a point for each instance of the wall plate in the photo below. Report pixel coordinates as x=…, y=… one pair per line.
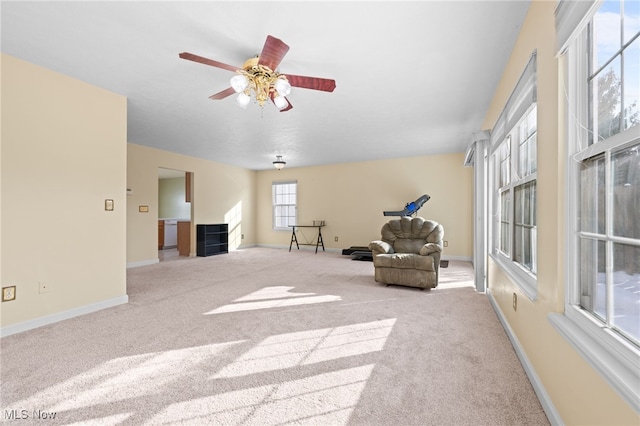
x=8, y=293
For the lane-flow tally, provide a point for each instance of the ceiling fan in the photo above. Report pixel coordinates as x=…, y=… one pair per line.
x=259, y=77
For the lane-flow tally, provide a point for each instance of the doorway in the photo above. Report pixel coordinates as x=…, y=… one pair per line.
x=174, y=214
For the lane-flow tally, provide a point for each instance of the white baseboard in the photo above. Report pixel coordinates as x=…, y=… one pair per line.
x=460, y=258
x=538, y=387
x=313, y=248
x=142, y=263
x=302, y=247
x=243, y=247
x=61, y=316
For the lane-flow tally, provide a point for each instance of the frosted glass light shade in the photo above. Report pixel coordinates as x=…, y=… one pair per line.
x=239, y=83
x=280, y=102
x=279, y=163
x=243, y=100
x=282, y=87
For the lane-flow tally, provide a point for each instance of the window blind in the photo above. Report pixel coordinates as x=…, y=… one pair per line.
x=522, y=97
x=571, y=18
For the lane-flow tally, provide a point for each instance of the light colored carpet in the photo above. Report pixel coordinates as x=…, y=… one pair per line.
x=267, y=337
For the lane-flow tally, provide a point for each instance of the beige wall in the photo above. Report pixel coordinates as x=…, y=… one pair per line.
x=221, y=194
x=63, y=154
x=351, y=198
x=577, y=391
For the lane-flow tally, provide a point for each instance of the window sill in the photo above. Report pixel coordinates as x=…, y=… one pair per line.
x=614, y=359
x=522, y=279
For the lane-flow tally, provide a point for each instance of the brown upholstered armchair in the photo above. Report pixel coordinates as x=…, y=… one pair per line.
x=408, y=253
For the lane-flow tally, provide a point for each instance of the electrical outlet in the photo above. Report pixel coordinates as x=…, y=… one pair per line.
x=8, y=293
x=515, y=302
x=43, y=287
x=335, y=239
x=242, y=236
x=446, y=243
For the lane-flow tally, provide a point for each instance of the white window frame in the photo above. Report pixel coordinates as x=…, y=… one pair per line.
x=276, y=204
x=614, y=357
x=507, y=130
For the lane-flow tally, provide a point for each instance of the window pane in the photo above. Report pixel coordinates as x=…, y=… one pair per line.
x=626, y=192
x=505, y=159
x=504, y=237
x=527, y=248
x=291, y=215
x=631, y=84
x=588, y=272
x=518, y=250
x=523, y=157
x=626, y=290
x=526, y=198
x=534, y=250
x=593, y=276
x=518, y=216
x=534, y=208
x=606, y=101
x=278, y=219
x=606, y=33
x=525, y=232
x=532, y=121
x=504, y=173
x=592, y=205
x=505, y=228
x=534, y=153
x=504, y=206
x=527, y=149
x=600, y=305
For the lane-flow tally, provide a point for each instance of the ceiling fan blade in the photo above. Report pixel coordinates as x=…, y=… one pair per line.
x=223, y=94
x=272, y=53
x=206, y=61
x=315, y=83
x=288, y=107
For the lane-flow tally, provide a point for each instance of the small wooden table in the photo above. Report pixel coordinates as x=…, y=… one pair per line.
x=294, y=238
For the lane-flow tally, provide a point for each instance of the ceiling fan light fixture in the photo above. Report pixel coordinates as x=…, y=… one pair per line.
x=282, y=86
x=279, y=163
x=239, y=83
x=259, y=79
x=280, y=102
x=243, y=99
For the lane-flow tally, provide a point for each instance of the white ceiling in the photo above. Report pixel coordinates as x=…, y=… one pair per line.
x=413, y=78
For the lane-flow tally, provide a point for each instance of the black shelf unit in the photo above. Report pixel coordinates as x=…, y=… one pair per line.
x=212, y=239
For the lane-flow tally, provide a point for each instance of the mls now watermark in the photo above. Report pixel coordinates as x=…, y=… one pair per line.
x=27, y=414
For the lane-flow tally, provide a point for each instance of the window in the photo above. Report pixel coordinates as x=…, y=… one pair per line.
x=609, y=240
x=516, y=178
x=609, y=176
x=602, y=83
x=513, y=172
x=284, y=195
